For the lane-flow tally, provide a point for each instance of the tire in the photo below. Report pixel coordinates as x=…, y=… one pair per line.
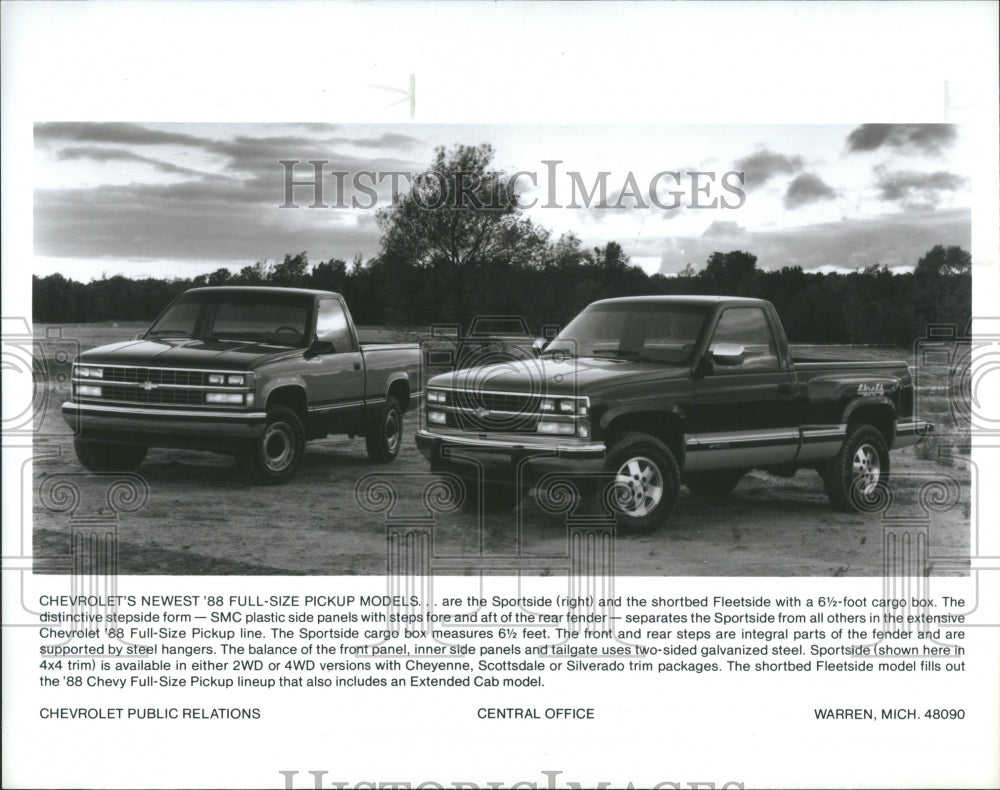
x=275, y=455
x=107, y=457
x=385, y=434
x=856, y=479
x=709, y=485
x=645, y=482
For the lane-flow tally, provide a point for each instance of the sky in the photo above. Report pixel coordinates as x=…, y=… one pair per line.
x=181, y=199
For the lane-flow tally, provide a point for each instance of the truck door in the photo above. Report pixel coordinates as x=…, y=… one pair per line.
x=336, y=381
x=744, y=409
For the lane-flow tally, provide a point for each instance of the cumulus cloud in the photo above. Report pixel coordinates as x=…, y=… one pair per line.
x=913, y=188
x=807, y=188
x=926, y=138
x=725, y=229
x=763, y=165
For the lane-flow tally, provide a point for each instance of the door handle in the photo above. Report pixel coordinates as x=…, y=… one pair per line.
x=357, y=366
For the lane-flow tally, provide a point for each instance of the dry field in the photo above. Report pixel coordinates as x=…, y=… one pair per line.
x=202, y=517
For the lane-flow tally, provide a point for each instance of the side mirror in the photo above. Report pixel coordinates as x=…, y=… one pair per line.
x=726, y=353
x=320, y=347
x=538, y=345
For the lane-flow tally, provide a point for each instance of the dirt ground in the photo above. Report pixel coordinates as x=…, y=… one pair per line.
x=202, y=517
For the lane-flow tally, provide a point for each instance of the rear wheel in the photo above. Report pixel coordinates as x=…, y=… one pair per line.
x=646, y=482
x=385, y=434
x=108, y=457
x=275, y=456
x=856, y=479
x=713, y=484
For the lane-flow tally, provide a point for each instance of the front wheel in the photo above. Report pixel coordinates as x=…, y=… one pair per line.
x=275, y=455
x=385, y=434
x=646, y=482
x=856, y=479
x=108, y=457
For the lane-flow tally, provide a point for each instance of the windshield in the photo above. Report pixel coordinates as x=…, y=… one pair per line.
x=644, y=331
x=238, y=316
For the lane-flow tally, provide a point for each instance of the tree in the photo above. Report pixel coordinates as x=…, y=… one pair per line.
x=731, y=274
x=291, y=272
x=945, y=260
x=460, y=216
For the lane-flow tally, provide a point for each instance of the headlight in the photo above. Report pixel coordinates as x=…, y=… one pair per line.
x=88, y=390
x=224, y=397
x=85, y=371
x=216, y=378
x=236, y=379
x=562, y=405
x=436, y=396
x=437, y=417
x=560, y=428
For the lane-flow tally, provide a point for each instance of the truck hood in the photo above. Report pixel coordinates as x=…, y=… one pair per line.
x=177, y=353
x=582, y=376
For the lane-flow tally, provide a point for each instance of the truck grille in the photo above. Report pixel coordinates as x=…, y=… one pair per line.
x=505, y=412
x=156, y=386
x=156, y=376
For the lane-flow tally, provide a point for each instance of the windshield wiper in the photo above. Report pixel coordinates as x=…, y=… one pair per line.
x=169, y=333
x=251, y=339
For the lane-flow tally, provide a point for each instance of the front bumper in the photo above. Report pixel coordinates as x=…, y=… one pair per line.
x=503, y=457
x=192, y=429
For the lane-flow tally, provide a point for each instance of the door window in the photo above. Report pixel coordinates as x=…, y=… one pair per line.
x=747, y=327
x=331, y=325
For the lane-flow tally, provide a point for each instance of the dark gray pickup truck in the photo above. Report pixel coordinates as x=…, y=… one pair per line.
x=247, y=371
x=647, y=392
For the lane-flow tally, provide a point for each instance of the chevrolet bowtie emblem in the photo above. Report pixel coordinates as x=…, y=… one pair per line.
x=482, y=413
x=148, y=385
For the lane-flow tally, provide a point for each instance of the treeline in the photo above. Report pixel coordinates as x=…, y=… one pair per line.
x=869, y=306
x=458, y=259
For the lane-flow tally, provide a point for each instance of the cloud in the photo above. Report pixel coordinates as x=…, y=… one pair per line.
x=807, y=188
x=926, y=138
x=725, y=229
x=912, y=188
x=898, y=240
x=99, y=154
x=763, y=165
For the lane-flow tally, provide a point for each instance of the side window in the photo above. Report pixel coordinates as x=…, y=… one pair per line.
x=331, y=324
x=748, y=327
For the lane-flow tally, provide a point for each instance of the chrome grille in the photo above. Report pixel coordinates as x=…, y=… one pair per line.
x=157, y=386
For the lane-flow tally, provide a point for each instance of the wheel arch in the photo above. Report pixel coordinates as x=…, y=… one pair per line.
x=665, y=424
x=880, y=413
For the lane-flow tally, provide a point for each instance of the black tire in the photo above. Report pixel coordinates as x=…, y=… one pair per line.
x=275, y=455
x=856, y=479
x=107, y=457
x=385, y=434
x=710, y=485
x=494, y=497
x=644, y=484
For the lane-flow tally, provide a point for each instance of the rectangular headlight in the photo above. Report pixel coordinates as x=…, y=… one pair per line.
x=437, y=417
x=216, y=378
x=560, y=428
x=88, y=390
x=435, y=396
x=224, y=397
x=566, y=406
x=86, y=371
x=239, y=379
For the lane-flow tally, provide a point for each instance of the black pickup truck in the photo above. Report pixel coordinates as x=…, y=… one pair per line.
x=248, y=371
x=647, y=392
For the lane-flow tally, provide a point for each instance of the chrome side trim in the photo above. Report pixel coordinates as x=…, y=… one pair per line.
x=707, y=441
x=70, y=406
x=336, y=406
